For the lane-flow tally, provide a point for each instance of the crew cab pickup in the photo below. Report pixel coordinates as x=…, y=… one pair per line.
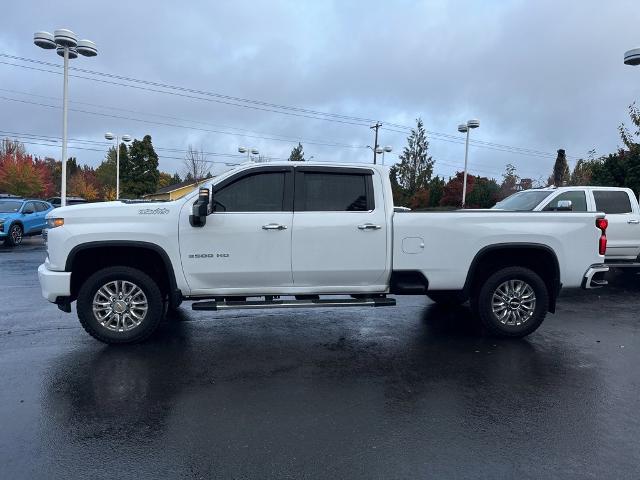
x=280, y=235
x=619, y=204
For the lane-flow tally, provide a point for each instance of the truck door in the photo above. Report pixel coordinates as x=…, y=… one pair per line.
x=339, y=238
x=246, y=242
x=623, y=233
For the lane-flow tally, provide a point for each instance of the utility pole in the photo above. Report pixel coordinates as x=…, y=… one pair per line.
x=375, y=143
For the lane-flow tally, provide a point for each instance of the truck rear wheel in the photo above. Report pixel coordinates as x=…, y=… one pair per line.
x=120, y=305
x=512, y=302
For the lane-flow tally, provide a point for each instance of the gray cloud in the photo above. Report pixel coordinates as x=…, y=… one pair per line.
x=541, y=75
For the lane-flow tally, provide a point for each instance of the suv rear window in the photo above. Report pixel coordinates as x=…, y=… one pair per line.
x=610, y=201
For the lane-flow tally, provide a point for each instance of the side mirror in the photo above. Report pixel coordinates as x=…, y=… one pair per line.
x=201, y=208
x=28, y=211
x=564, y=206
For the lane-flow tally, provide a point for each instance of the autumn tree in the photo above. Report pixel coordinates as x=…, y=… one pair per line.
x=20, y=175
x=84, y=183
x=452, y=192
x=510, y=181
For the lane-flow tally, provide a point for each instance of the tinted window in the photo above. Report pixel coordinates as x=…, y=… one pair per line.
x=335, y=192
x=262, y=192
x=29, y=206
x=41, y=207
x=523, y=201
x=9, y=206
x=608, y=201
x=578, y=201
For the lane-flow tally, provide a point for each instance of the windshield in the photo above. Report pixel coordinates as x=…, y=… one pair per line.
x=523, y=201
x=9, y=206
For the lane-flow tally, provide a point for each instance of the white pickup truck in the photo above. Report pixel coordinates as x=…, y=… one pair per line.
x=619, y=204
x=282, y=235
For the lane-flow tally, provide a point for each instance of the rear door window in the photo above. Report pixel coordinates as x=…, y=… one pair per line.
x=334, y=192
x=611, y=201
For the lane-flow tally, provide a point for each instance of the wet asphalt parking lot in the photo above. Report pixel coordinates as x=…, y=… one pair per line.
x=413, y=391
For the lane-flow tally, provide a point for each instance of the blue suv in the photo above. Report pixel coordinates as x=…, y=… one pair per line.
x=21, y=218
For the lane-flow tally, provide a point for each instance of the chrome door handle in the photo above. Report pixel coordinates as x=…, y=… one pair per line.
x=369, y=226
x=274, y=226
x=635, y=222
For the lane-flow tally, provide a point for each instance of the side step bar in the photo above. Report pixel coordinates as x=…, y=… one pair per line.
x=326, y=303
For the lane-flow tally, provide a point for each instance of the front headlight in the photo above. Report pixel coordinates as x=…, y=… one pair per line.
x=55, y=222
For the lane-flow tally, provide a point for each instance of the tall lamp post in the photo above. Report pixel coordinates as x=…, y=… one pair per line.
x=383, y=150
x=462, y=128
x=249, y=152
x=632, y=57
x=124, y=138
x=68, y=47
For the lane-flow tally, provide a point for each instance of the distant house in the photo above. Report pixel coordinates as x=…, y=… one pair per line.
x=174, y=192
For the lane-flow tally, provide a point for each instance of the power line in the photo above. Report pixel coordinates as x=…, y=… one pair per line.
x=174, y=125
x=318, y=115
x=265, y=135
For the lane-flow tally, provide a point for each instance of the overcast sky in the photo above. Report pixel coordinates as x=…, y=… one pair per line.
x=539, y=75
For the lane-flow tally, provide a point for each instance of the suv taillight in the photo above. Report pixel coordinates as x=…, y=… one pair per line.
x=602, y=224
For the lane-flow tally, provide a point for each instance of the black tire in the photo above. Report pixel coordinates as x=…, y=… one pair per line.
x=110, y=334
x=14, y=236
x=482, y=303
x=447, y=298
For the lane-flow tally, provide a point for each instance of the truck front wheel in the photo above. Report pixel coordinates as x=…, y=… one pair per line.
x=120, y=305
x=512, y=302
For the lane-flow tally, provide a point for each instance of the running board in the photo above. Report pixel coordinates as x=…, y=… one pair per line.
x=325, y=303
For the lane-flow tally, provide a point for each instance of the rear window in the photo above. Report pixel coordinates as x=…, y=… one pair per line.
x=336, y=192
x=523, y=201
x=609, y=201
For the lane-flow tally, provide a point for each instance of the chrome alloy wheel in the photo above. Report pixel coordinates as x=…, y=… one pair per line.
x=513, y=302
x=120, y=306
x=16, y=234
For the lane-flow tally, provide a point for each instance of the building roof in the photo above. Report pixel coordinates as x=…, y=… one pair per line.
x=174, y=187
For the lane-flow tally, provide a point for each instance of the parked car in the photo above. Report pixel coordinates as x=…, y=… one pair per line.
x=619, y=204
x=309, y=231
x=21, y=218
x=56, y=201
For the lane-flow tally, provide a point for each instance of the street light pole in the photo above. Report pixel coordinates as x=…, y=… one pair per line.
x=65, y=91
x=125, y=138
x=465, y=128
x=68, y=47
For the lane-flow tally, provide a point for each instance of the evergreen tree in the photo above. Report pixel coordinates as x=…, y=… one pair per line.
x=436, y=190
x=416, y=166
x=139, y=171
x=297, y=154
x=561, y=174
x=175, y=179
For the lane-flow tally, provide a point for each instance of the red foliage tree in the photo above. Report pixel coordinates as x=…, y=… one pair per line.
x=21, y=175
x=452, y=195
